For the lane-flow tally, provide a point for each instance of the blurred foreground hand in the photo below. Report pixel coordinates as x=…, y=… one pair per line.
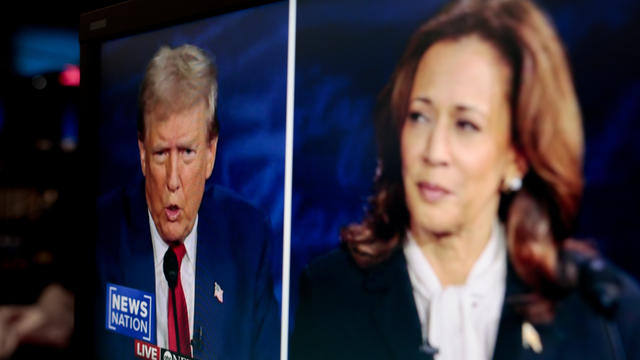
x=48, y=322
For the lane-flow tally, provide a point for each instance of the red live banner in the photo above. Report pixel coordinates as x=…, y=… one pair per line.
x=147, y=351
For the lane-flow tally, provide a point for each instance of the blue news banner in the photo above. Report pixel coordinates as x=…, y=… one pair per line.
x=131, y=312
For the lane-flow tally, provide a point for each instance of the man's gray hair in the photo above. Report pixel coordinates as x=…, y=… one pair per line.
x=176, y=80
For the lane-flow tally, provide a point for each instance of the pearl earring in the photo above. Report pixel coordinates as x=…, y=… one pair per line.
x=515, y=184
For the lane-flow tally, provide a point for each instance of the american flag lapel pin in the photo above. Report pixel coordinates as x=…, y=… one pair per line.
x=531, y=338
x=217, y=291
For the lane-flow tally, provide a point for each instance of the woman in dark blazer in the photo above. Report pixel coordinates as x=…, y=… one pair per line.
x=464, y=252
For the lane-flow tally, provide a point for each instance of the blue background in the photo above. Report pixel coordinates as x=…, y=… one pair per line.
x=346, y=51
x=249, y=48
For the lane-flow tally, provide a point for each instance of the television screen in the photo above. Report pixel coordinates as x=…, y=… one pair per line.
x=335, y=95
x=151, y=185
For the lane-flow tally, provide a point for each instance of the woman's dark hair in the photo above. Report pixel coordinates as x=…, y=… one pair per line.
x=545, y=128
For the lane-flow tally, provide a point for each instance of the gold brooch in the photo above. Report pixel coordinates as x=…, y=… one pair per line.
x=531, y=338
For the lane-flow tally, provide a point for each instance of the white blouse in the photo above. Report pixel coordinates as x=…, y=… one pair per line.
x=461, y=321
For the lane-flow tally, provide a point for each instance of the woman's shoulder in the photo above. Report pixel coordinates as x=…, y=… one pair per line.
x=610, y=290
x=335, y=281
x=333, y=268
x=627, y=306
x=605, y=305
x=629, y=286
x=338, y=266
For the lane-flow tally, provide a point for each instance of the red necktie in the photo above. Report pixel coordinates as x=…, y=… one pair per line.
x=181, y=308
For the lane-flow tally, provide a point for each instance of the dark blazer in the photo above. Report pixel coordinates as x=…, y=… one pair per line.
x=232, y=250
x=349, y=313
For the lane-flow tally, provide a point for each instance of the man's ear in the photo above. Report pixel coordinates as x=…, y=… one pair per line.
x=211, y=155
x=143, y=154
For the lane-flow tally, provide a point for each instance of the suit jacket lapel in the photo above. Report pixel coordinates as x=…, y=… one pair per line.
x=396, y=316
x=509, y=339
x=509, y=344
x=206, y=311
x=209, y=314
x=394, y=309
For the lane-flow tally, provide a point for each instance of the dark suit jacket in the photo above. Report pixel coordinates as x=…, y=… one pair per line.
x=232, y=250
x=349, y=313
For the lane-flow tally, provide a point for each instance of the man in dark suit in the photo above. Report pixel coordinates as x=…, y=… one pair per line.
x=221, y=303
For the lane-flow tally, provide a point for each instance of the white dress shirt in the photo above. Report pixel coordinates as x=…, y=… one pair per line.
x=461, y=321
x=187, y=277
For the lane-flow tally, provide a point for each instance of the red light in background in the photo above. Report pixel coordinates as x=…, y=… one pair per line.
x=70, y=76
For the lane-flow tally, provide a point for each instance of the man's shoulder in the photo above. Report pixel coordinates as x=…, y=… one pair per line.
x=233, y=221
x=331, y=265
x=111, y=206
x=222, y=201
x=121, y=196
x=111, y=198
x=223, y=196
x=120, y=212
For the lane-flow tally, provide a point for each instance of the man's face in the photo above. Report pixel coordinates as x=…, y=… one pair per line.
x=177, y=158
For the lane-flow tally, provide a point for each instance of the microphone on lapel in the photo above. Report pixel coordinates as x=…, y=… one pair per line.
x=196, y=341
x=170, y=269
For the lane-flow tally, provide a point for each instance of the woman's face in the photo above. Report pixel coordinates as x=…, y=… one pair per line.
x=455, y=141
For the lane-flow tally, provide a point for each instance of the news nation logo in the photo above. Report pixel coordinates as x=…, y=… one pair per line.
x=144, y=350
x=130, y=312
